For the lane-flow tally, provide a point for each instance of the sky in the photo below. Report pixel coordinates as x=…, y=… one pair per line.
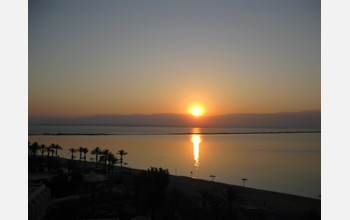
x=90, y=57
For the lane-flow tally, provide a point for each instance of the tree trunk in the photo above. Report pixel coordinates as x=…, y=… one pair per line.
x=96, y=159
x=105, y=165
x=121, y=167
x=85, y=162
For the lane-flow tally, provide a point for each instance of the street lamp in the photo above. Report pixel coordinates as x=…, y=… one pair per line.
x=212, y=177
x=244, y=179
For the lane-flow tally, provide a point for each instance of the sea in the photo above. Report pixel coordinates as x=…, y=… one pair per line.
x=280, y=160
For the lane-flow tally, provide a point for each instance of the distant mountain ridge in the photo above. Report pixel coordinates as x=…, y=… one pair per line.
x=304, y=120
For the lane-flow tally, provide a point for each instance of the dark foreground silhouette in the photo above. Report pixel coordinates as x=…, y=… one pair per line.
x=76, y=189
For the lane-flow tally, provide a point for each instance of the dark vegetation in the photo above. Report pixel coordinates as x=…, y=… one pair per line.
x=127, y=193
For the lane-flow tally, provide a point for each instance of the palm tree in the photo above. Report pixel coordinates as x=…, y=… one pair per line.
x=102, y=158
x=121, y=153
x=52, y=151
x=72, y=150
x=114, y=161
x=57, y=147
x=111, y=161
x=85, y=151
x=42, y=150
x=96, y=151
x=33, y=148
x=48, y=150
x=110, y=158
x=81, y=150
x=53, y=147
x=72, y=164
x=105, y=154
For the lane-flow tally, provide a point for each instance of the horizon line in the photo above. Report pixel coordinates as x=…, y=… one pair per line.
x=140, y=114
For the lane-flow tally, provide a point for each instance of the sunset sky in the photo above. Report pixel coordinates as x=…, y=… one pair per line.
x=91, y=57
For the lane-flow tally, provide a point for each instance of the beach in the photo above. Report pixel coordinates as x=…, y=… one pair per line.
x=253, y=198
x=288, y=163
x=271, y=204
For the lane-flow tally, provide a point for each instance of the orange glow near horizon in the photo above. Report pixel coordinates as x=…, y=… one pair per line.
x=149, y=60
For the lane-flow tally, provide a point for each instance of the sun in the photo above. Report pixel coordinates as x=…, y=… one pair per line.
x=196, y=111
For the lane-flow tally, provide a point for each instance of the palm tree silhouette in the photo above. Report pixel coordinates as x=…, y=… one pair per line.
x=122, y=153
x=105, y=155
x=53, y=147
x=85, y=151
x=111, y=161
x=34, y=148
x=72, y=150
x=81, y=150
x=57, y=147
x=42, y=150
x=48, y=150
x=72, y=166
x=52, y=151
x=97, y=151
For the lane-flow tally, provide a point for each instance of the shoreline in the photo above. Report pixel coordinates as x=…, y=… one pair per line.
x=253, y=198
x=139, y=170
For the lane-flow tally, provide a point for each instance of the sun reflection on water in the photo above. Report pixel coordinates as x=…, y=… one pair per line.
x=196, y=139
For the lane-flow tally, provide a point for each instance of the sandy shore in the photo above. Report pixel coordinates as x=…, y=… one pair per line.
x=253, y=198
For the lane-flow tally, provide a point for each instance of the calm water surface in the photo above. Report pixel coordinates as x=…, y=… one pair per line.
x=289, y=163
